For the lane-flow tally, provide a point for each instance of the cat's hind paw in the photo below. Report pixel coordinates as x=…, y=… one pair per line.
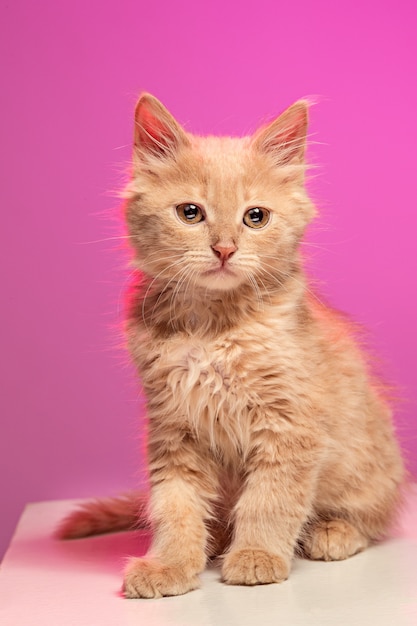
x=333, y=540
x=148, y=578
x=253, y=567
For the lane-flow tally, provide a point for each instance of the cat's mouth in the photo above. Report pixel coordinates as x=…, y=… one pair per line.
x=220, y=270
x=221, y=277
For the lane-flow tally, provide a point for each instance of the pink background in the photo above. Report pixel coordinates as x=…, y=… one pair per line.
x=71, y=75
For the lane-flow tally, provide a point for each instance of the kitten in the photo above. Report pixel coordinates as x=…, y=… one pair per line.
x=267, y=433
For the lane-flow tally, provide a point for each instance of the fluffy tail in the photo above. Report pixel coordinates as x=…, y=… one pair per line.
x=104, y=515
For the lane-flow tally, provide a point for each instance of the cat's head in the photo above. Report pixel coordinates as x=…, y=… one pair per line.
x=217, y=212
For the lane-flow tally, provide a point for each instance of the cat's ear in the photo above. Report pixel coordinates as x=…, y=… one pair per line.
x=157, y=133
x=285, y=137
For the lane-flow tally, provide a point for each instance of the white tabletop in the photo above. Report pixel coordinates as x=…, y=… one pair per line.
x=45, y=582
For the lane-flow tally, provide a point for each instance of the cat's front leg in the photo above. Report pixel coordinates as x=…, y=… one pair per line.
x=182, y=487
x=275, y=502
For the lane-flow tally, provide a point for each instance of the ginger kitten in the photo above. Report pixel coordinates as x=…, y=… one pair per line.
x=267, y=432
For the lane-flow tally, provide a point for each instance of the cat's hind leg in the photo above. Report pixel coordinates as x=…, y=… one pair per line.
x=332, y=540
x=348, y=519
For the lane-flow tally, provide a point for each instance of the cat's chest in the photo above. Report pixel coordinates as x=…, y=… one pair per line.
x=227, y=374
x=219, y=388
x=208, y=368
x=220, y=366
x=210, y=387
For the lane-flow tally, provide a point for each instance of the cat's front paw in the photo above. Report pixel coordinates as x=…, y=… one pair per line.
x=148, y=578
x=333, y=540
x=254, y=567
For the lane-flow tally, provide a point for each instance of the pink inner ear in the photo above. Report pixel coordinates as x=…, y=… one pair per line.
x=150, y=130
x=152, y=134
x=293, y=132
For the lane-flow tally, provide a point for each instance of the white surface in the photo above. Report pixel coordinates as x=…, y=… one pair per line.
x=46, y=582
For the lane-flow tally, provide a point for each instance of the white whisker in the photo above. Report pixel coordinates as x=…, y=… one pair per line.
x=120, y=237
x=151, y=284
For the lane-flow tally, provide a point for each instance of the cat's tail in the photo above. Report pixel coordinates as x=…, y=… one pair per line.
x=105, y=515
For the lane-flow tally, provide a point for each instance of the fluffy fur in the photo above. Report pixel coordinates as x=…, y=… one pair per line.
x=267, y=432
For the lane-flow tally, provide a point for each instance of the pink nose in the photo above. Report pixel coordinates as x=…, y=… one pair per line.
x=224, y=252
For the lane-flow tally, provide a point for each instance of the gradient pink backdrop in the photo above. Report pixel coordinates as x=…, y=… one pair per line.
x=71, y=74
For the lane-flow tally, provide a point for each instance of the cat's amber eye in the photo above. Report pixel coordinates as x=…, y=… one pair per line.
x=190, y=213
x=256, y=217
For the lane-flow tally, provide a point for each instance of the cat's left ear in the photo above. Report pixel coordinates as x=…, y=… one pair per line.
x=285, y=137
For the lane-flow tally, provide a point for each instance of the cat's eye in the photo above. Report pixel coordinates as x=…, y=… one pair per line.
x=256, y=217
x=190, y=213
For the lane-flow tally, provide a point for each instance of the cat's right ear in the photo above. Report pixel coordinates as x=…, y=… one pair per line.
x=157, y=133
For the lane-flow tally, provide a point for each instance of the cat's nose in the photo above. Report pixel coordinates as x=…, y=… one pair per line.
x=224, y=252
